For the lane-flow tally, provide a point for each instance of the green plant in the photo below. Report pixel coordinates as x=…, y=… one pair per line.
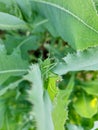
x=48, y=64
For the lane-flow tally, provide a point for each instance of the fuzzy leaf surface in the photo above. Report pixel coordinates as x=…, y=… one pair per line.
x=11, y=65
x=61, y=101
x=10, y=22
x=40, y=99
x=78, y=26
x=82, y=60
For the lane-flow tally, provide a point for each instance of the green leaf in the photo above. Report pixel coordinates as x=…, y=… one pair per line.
x=85, y=105
x=78, y=26
x=5, y=6
x=39, y=98
x=31, y=43
x=85, y=60
x=10, y=22
x=96, y=4
x=11, y=42
x=50, y=28
x=9, y=87
x=11, y=65
x=25, y=7
x=91, y=87
x=60, y=112
x=2, y=112
x=11, y=7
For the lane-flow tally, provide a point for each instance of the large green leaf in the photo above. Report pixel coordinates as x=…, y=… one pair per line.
x=75, y=21
x=85, y=105
x=8, y=22
x=39, y=98
x=61, y=102
x=11, y=65
x=91, y=87
x=85, y=60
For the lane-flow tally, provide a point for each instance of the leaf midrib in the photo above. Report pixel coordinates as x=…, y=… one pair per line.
x=69, y=12
x=13, y=71
x=12, y=26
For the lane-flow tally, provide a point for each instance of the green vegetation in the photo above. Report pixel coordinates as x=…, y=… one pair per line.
x=48, y=64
